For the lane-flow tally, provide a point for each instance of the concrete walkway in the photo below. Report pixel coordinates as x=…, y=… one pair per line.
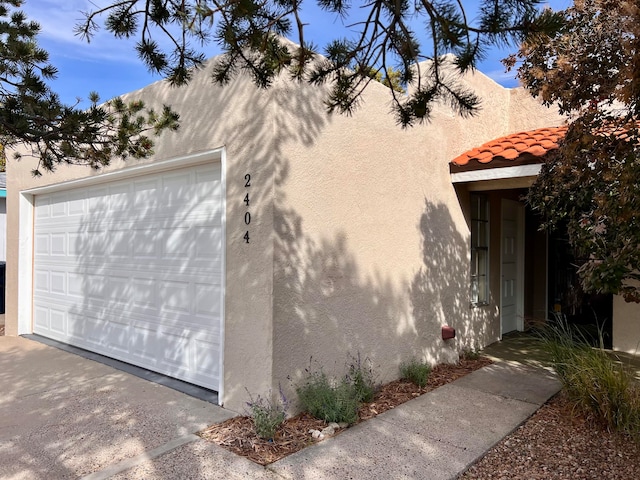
x=71, y=417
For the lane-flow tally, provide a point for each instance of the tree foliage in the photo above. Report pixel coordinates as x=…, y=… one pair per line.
x=591, y=70
x=31, y=114
x=386, y=35
x=390, y=80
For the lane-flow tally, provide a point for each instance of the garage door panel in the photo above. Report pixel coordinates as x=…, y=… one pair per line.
x=74, y=286
x=144, y=295
x=207, y=299
x=58, y=244
x=175, y=350
x=175, y=296
x=119, y=197
x=119, y=243
x=43, y=210
x=208, y=367
x=208, y=242
x=41, y=282
x=133, y=270
x=144, y=243
x=77, y=204
x=58, y=321
x=40, y=318
x=97, y=200
x=119, y=288
x=58, y=282
x=41, y=244
x=58, y=206
x=93, y=331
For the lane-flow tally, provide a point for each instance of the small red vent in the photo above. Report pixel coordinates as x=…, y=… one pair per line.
x=448, y=332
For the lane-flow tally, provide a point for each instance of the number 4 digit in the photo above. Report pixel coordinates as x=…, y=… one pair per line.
x=246, y=199
x=246, y=237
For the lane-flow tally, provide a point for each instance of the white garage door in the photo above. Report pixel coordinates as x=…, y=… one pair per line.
x=133, y=269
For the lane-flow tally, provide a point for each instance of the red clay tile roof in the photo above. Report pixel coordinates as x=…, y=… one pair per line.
x=536, y=143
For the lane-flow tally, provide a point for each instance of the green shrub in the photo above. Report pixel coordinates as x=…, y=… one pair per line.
x=598, y=384
x=360, y=374
x=328, y=400
x=470, y=354
x=267, y=415
x=415, y=371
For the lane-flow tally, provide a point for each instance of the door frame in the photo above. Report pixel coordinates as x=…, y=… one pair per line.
x=520, y=232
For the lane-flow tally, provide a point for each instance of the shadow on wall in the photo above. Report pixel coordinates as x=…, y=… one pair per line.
x=440, y=291
x=327, y=310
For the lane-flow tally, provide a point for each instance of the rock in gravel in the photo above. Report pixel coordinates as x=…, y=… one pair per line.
x=328, y=431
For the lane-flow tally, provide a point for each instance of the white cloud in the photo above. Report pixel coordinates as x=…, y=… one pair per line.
x=57, y=21
x=501, y=76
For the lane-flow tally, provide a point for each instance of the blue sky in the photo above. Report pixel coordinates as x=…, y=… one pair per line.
x=111, y=68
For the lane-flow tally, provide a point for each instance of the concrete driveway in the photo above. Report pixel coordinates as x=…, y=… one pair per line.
x=64, y=416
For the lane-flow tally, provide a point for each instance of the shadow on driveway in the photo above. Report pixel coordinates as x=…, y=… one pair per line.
x=64, y=416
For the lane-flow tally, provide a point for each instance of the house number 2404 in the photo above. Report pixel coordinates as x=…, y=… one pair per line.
x=247, y=214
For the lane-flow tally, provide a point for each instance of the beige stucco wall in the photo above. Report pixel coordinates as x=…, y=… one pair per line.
x=359, y=242
x=626, y=326
x=371, y=247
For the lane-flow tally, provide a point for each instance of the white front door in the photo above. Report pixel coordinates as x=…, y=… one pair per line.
x=512, y=267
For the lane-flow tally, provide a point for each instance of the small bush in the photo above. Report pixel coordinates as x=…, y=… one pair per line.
x=328, y=400
x=267, y=415
x=415, y=371
x=598, y=384
x=470, y=354
x=361, y=376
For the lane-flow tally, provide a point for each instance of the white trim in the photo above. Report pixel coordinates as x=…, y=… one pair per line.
x=129, y=172
x=26, y=224
x=496, y=173
x=223, y=286
x=25, y=264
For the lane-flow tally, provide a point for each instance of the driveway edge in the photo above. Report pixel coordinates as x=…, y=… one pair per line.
x=149, y=455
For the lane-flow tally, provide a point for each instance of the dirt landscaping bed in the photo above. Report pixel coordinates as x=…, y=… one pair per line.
x=238, y=434
x=556, y=443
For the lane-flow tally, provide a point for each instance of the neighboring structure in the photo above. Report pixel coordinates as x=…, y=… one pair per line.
x=266, y=233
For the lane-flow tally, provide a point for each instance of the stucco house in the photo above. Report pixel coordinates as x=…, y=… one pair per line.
x=267, y=232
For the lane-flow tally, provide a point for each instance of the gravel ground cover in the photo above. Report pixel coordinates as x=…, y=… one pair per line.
x=557, y=443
